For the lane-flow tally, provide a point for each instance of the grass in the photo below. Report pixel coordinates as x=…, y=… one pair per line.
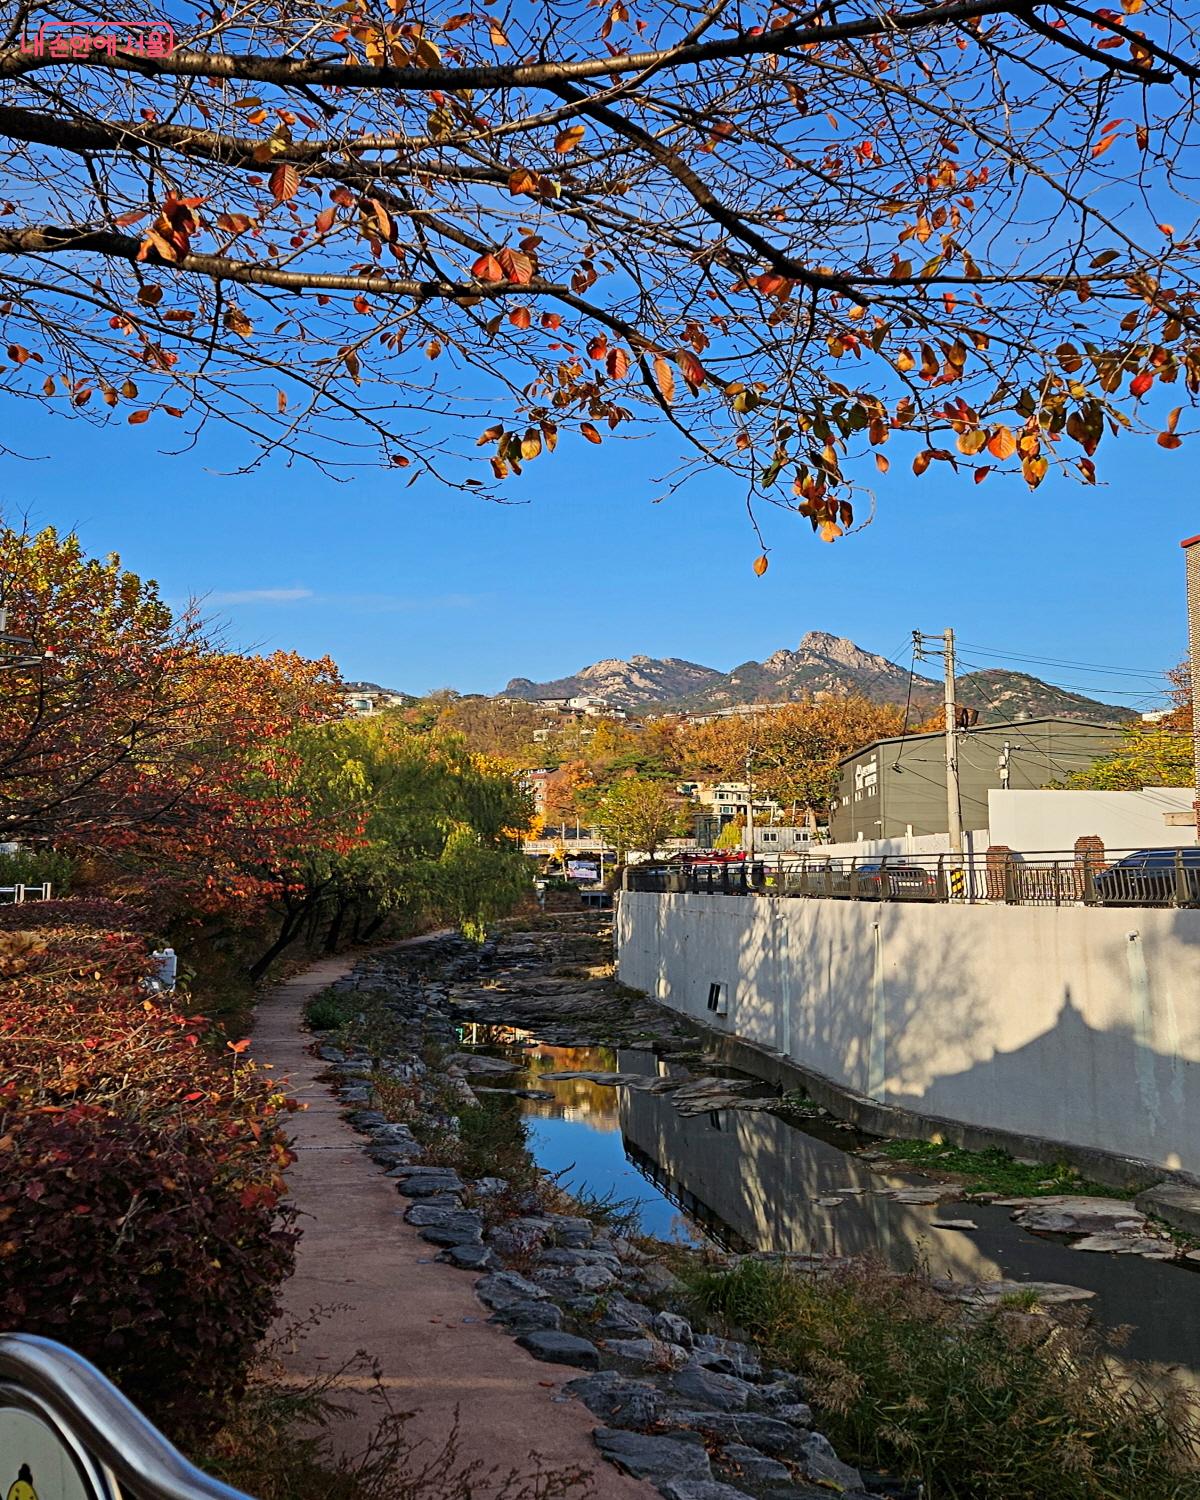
x=330, y=1010
x=798, y=1105
x=280, y=1444
x=995, y=1171
x=998, y=1404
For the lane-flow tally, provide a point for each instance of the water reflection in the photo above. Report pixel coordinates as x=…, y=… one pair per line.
x=751, y=1181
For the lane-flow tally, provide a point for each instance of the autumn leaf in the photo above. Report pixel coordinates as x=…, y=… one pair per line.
x=1141, y=383
x=830, y=531
x=882, y=463
x=691, y=369
x=324, y=220
x=487, y=268
x=1002, y=444
x=520, y=317
x=136, y=417
x=589, y=432
x=617, y=363
x=496, y=33
x=516, y=266
x=664, y=378
x=760, y=564
x=284, y=182
x=566, y=140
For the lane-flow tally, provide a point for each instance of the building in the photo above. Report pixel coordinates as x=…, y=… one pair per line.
x=363, y=698
x=897, y=787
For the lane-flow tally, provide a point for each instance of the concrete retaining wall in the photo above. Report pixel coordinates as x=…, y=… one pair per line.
x=1074, y=1024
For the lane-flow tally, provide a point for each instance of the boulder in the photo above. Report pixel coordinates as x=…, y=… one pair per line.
x=618, y=1402
x=756, y=1466
x=821, y=1464
x=622, y=1317
x=524, y=1317
x=1073, y=1215
x=701, y=1489
x=708, y=1388
x=503, y=1288
x=674, y=1329
x=661, y=1460
x=560, y=1348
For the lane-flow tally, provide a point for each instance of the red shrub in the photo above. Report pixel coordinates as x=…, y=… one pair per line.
x=92, y=912
x=140, y=1177
x=144, y=1252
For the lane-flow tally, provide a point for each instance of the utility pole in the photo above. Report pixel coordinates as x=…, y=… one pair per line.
x=1191, y=548
x=749, y=834
x=922, y=648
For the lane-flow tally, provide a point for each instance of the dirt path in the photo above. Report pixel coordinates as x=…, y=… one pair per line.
x=418, y=1318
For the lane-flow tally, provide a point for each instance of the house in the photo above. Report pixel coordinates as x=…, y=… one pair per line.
x=363, y=698
x=897, y=787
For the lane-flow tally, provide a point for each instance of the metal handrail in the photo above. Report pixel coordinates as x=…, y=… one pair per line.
x=131, y=1458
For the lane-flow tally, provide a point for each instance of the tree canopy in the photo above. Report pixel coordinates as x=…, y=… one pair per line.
x=393, y=231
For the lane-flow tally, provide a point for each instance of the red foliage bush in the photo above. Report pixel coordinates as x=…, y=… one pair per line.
x=140, y=1177
x=95, y=913
x=143, y=1252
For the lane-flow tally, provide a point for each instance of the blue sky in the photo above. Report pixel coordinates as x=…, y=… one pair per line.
x=421, y=588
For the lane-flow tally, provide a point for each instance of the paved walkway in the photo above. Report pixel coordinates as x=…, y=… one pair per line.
x=418, y=1318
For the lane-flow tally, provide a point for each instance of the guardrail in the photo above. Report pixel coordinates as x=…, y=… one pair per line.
x=67, y=1433
x=11, y=895
x=1055, y=878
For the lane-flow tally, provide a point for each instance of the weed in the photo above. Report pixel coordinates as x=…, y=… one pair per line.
x=329, y=1011
x=995, y=1171
x=980, y=1405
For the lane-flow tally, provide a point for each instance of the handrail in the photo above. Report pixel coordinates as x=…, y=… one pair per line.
x=98, y=1419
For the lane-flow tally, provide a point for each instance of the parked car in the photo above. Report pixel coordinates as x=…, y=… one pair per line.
x=881, y=878
x=1149, y=877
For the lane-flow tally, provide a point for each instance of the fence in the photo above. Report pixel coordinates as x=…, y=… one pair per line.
x=10, y=895
x=65, y=1431
x=1158, y=877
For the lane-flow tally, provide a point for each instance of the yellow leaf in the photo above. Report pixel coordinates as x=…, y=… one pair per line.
x=830, y=531
x=760, y=565
x=664, y=378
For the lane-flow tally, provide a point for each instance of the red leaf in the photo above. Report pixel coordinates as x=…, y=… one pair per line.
x=284, y=182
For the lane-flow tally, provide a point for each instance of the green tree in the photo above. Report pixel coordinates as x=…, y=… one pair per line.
x=635, y=813
x=730, y=837
x=1152, y=755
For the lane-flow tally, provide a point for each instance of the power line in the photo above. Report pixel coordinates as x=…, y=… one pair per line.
x=1053, y=661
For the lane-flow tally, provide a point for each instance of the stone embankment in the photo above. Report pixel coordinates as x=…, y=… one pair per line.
x=698, y=1416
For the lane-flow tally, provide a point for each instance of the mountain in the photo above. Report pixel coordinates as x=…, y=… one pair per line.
x=821, y=663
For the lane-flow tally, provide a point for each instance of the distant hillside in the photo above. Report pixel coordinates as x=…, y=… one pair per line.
x=822, y=663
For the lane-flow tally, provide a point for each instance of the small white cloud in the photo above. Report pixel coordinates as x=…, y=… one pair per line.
x=260, y=596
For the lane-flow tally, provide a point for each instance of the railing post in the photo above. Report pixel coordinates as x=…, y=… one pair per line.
x=1182, y=895
x=1010, y=889
x=725, y=880
x=942, y=894
x=1089, y=880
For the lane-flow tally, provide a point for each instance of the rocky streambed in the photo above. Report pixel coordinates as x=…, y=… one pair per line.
x=533, y=1022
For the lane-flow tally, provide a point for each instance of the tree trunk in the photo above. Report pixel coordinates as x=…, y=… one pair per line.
x=334, y=933
x=289, y=931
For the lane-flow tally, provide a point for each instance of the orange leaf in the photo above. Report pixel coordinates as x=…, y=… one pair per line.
x=830, y=531
x=617, y=363
x=566, y=140
x=1169, y=440
x=520, y=317
x=238, y=1046
x=284, y=182
x=324, y=221
x=138, y=416
x=589, y=432
x=1002, y=444
x=664, y=378
x=760, y=564
x=487, y=268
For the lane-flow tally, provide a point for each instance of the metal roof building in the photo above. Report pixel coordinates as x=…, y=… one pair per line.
x=898, y=786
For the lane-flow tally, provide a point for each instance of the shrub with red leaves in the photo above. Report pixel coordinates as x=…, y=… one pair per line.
x=140, y=1177
x=95, y=913
x=143, y=1252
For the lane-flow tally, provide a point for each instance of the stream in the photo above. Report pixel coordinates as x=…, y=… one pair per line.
x=750, y=1180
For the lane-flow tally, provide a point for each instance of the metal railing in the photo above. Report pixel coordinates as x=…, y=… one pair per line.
x=11, y=895
x=1054, y=878
x=59, y=1412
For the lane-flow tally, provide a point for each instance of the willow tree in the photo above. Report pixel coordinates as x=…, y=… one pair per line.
x=394, y=231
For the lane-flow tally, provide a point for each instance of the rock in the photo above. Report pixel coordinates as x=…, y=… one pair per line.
x=622, y=1317
x=768, y=1434
x=526, y=1316
x=821, y=1463
x=728, y=1356
x=953, y=1224
x=521, y=1235
x=503, y=1288
x=923, y=1195
x=756, y=1466
x=592, y=1278
x=828, y=1202
x=641, y=1351
x=661, y=1460
x=725, y=1392
x=430, y=1183
x=1176, y=1202
x=1127, y=1244
x=674, y=1329
x=463, y=1227
x=657, y=1280
x=798, y=1413
x=618, y=1402
x=391, y=1134
x=556, y=1256
x=560, y=1348
x=701, y=1489
x=488, y=1187
x=571, y=1231
x=474, y=1064
x=469, y=1257
x=1049, y=1293
x=1070, y=1215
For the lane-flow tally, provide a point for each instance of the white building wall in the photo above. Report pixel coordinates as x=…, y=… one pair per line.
x=1038, y=820
x=1077, y=1024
